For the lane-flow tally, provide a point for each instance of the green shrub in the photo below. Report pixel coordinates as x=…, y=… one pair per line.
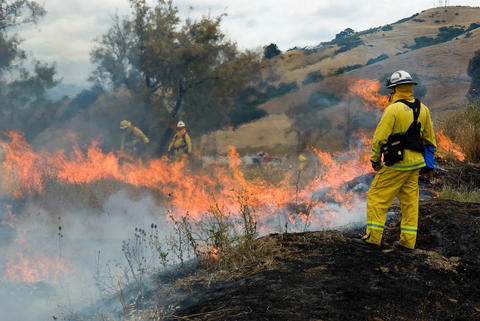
x=444, y=34
x=347, y=33
x=421, y=42
x=369, y=31
x=341, y=70
x=448, y=33
x=473, y=26
x=246, y=104
x=387, y=28
x=271, y=51
x=352, y=67
x=282, y=89
x=348, y=43
x=323, y=99
x=272, y=92
x=245, y=113
x=379, y=58
x=313, y=76
x=419, y=20
x=347, y=39
x=81, y=102
x=405, y=19
x=310, y=51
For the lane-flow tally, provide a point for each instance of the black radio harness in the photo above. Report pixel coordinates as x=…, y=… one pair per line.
x=394, y=149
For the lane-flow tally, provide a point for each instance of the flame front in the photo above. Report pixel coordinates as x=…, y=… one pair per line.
x=445, y=147
x=27, y=265
x=368, y=90
x=27, y=172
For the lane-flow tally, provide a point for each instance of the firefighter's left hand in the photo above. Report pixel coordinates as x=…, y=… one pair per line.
x=376, y=165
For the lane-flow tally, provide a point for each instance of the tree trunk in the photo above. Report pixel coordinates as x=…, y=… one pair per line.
x=169, y=130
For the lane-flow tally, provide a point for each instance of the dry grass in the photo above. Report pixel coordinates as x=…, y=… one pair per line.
x=463, y=126
x=269, y=174
x=461, y=194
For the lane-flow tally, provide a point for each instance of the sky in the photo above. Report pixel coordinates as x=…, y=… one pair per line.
x=66, y=34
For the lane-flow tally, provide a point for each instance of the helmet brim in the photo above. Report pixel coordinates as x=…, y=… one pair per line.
x=402, y=83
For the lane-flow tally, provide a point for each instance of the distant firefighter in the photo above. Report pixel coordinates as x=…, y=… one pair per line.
x=131, y=137
x=406, y=140
x=181, y=144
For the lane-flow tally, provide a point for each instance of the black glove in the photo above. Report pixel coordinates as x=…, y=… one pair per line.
x=376, y=165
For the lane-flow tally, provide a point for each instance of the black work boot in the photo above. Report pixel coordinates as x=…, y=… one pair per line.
x=362, y=241
x=397, y=245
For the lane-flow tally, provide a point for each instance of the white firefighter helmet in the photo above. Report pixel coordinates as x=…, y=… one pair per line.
x=399, y=77
x=180, y=124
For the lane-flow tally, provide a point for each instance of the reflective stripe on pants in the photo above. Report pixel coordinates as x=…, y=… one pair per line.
x=387, y=184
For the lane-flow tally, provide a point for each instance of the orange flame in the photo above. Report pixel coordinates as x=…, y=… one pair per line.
x=445, y=147
x=26, y=172
x=26, y=265
x=210, y=252
x=29, y=267
x=368, y=90
x=11, y=219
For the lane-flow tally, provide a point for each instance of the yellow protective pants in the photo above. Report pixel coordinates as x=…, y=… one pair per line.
x=387, y=184
x=180, y=155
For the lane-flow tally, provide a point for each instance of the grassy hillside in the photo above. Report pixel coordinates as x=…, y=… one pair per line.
x=435, y=45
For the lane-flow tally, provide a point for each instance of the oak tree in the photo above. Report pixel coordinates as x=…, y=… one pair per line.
x=185, y=69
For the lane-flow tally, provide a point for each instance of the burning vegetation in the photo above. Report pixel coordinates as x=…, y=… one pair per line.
x=212, y=215
x=215, y=214
x=212, y=237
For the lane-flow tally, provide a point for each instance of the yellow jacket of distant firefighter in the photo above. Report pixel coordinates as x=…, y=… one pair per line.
x=182, y=142
x=131, y=135
x=396, y=118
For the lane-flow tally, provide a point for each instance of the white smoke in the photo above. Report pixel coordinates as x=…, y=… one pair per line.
x=85, y=237
x=90, y=240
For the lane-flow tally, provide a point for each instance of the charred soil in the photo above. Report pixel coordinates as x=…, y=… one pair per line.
x=327, y=276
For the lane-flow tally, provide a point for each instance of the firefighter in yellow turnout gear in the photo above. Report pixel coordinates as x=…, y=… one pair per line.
x=131, y=137
x=400, y=178
x=181, y=143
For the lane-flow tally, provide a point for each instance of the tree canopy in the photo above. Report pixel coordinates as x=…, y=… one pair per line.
x=22, y=88
x=271, y=51
x=183, y=69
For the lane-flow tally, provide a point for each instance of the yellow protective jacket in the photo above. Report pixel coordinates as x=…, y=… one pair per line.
x=181, y=142
x=397, y=118
x=135, y=135
x=139, y=134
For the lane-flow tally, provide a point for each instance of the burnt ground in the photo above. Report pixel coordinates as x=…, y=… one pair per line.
x=327, y=276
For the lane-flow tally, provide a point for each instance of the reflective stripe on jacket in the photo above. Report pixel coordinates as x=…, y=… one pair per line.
x=396, y=118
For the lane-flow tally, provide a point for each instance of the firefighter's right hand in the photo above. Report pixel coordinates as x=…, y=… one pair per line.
x=376, y=165
x=428, y=173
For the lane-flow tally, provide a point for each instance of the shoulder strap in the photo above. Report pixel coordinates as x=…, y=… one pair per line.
x=185, y=139
x=415, y=106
